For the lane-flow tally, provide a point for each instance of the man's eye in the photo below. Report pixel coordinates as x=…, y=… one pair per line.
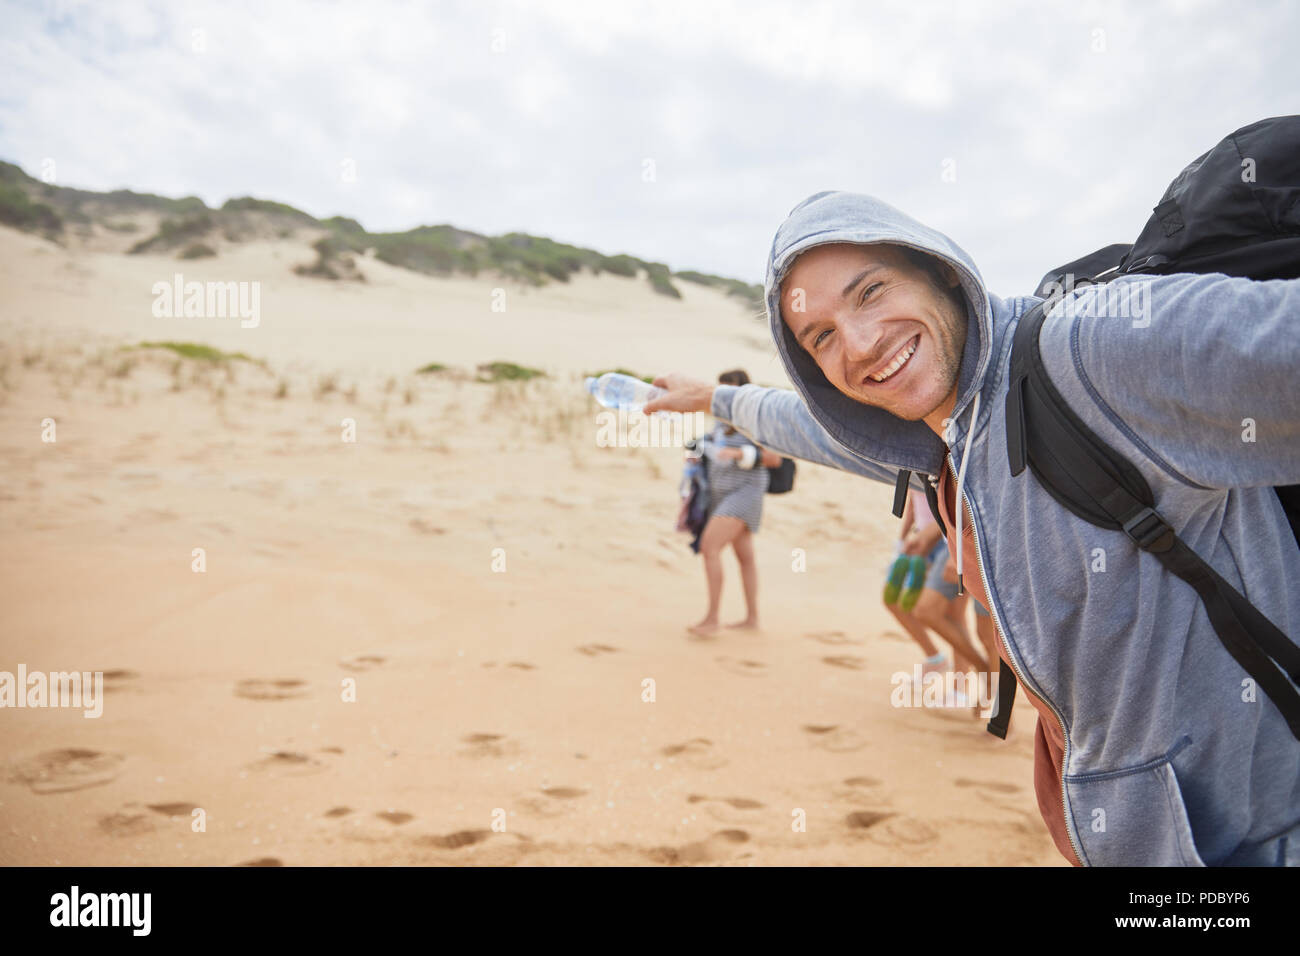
x=818, y=340
x=870, y=289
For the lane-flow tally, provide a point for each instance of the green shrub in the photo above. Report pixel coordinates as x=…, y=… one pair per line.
x=17, y=210
x=648, y=379
x=193, y=350
x=751, y=294
x=249, y=204
x=173, y=232
x=506, y=372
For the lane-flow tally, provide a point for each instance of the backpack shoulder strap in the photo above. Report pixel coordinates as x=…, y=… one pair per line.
x=1092, y=481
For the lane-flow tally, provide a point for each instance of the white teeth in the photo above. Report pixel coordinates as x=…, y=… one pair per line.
x=899, y=361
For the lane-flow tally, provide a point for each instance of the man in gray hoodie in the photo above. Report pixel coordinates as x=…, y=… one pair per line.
x=1153, y=746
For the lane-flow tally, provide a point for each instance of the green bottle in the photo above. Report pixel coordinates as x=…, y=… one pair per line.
x=915, y=582
x=894, y=583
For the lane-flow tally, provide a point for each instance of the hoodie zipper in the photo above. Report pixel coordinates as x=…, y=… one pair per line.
x=1020, y=676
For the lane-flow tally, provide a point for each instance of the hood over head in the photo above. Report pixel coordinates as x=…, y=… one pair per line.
x=837, y=217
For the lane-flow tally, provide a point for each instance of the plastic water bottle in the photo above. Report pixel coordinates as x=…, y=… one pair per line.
x=616, y=390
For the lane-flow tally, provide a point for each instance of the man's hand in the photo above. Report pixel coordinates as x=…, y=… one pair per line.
x=730, y=454
x=922, y=542
x=681, y=394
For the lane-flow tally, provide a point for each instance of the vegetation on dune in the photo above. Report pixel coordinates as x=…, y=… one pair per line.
x=332, y=261
x=173, y=232
x=18, y=210
x=648, y=379
x=194, y=350
x=507, y=372
x=431, y=368
x=197, y=250
x=752, y=294
x=343, y=224
x=442, y=250
x=249, y=204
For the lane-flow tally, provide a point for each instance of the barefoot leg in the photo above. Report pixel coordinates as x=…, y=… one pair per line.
x=913, y=628
x=743, y=545
x=717, y=535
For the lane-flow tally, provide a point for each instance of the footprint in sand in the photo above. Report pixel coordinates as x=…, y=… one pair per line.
x=832, y=637
x=725, y=809
x=362, y=662
x=282, y=689
x=72, y=768
x=993, y=785
x=745, y=668
x=335, y=812
x=595, y=650
x=522, y=666
x=453, y=841
x=554, y=801
x=894, y=830
x=740, y=803
x=853, y=789
x=426, y=527
x=287, y=763
x=563, y=793
x=262, y=861
x=723, y=845
x=862, y=781
x=126, y=824
x=131, y=822
x=865, y=819
x=697, y=752
x=116, y=680
x=820, y=728
x=847, y=661
x=395, y=817
x=835, y=738
x=488, y=745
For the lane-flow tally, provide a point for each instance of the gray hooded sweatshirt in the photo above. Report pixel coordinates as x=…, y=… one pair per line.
x=1165, y=753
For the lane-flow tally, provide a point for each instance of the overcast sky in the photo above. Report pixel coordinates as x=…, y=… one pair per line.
x=678, y=132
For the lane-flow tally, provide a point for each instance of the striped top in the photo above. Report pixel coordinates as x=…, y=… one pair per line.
x=735, y=491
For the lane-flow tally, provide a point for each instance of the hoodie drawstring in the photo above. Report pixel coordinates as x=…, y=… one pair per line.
x=961, y=481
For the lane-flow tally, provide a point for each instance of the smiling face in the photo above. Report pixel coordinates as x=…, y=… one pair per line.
x=882, y=329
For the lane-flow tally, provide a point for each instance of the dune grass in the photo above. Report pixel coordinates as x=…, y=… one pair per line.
x=174, y=232
x=18, y=210
x=648, y=379
x=507, y=372
x=194, y=350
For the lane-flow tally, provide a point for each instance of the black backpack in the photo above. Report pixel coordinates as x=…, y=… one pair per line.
x=780, y=478
x=1234, y=210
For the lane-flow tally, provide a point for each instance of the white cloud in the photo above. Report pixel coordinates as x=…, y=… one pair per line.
x=746, y=108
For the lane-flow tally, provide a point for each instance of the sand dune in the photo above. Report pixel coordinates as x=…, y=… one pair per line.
x=482, y=695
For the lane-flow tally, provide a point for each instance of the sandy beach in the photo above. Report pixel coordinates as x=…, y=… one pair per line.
x=431, y=645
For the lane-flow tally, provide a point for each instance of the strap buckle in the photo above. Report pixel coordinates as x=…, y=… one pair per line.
x=1146, y=528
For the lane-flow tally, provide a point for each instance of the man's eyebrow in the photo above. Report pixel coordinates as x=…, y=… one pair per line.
x=860, y=276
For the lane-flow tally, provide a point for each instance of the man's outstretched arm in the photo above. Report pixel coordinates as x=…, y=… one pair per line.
x=1202, y=372
x=775, y=418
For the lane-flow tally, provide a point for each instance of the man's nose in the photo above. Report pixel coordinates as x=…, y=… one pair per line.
x=861, y=340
